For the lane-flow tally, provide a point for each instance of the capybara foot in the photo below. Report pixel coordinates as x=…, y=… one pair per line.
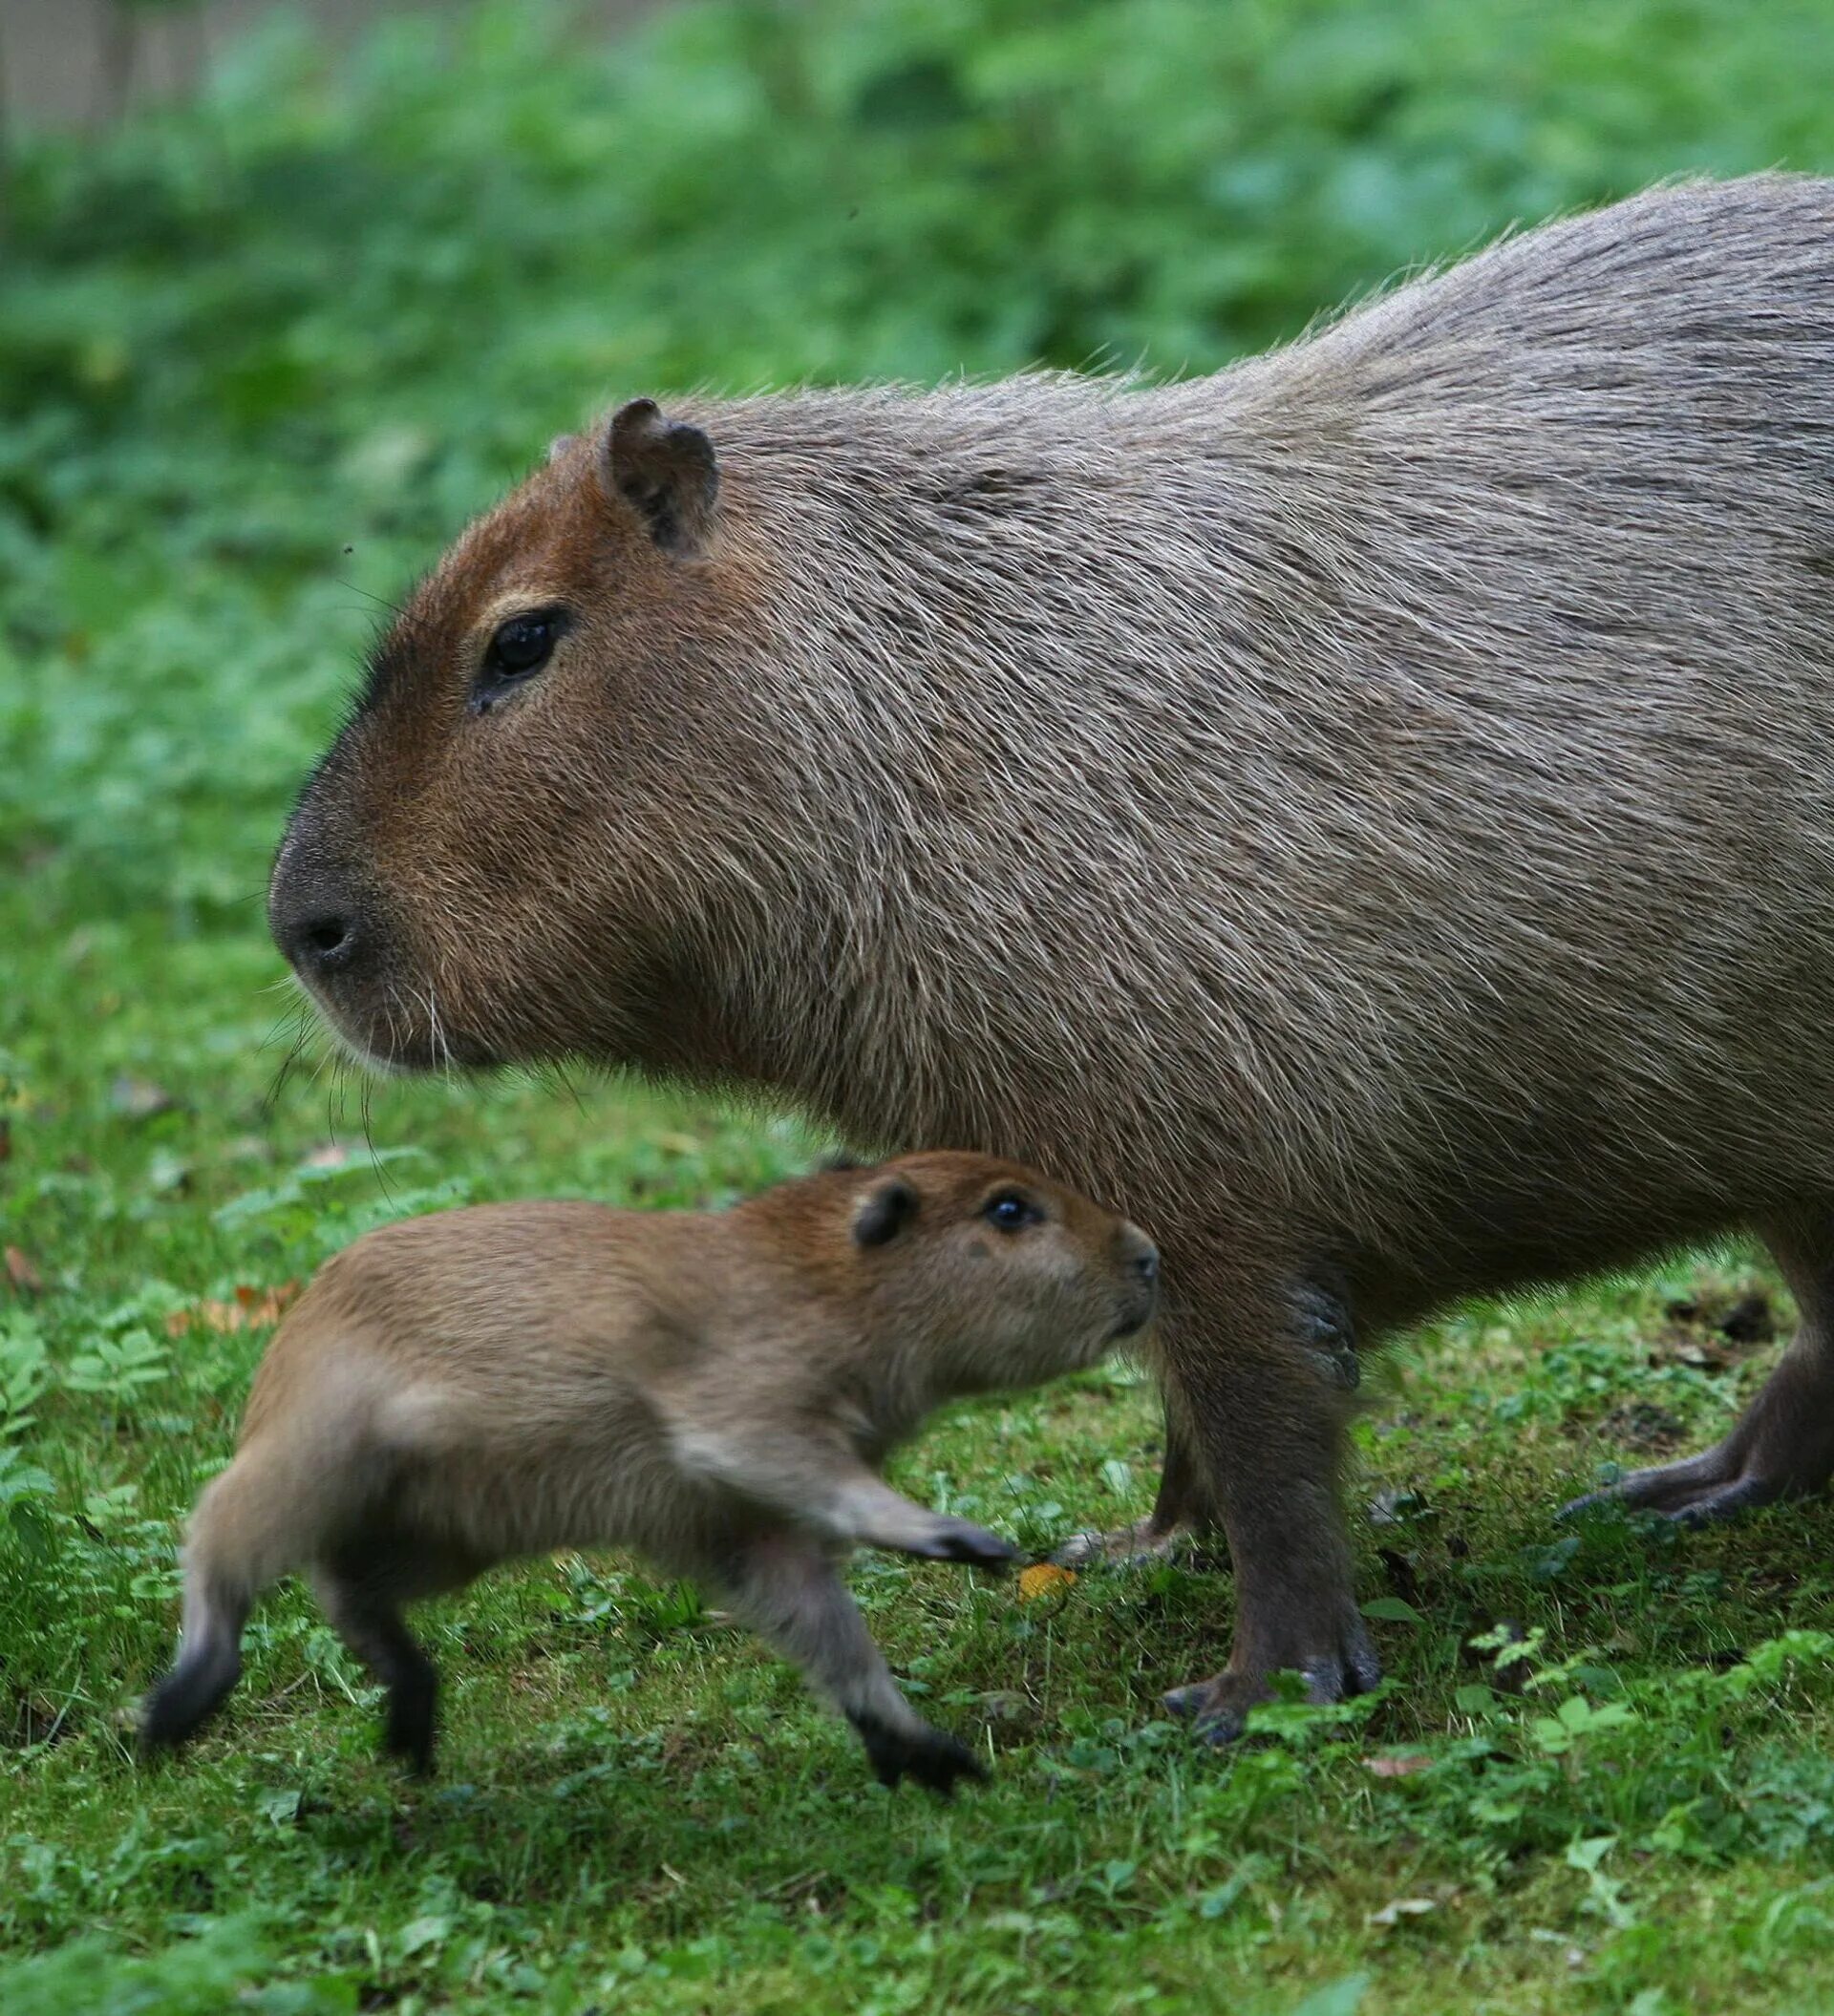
x=1715, y=1485
x=960, y=1540
x=1134, y=1547
x=1218, y=1708
x=920, y=1753
x=408, y=1731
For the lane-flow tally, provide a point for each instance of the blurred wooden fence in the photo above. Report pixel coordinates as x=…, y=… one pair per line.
x=65, y=62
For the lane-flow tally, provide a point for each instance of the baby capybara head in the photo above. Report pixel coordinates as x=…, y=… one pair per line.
x=507, y=805
x=997, y=1276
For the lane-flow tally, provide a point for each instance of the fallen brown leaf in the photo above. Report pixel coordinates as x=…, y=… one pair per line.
x=252, y=1309
x=24, y=1278
x=1396, y=1767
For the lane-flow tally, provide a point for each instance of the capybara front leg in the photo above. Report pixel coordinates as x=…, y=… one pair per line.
x=1180, y=1512
x=784, y=1586
x=1783, y=1446
x=1267, y=1413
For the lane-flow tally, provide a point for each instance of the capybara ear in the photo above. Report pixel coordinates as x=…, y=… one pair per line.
x=883, y=1212
x=668, y=471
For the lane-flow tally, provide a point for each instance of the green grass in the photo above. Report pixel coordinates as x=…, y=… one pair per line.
x=256, y=361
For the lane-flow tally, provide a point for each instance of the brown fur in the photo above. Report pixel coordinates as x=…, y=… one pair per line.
x=1367, y=812
x=715, y=1390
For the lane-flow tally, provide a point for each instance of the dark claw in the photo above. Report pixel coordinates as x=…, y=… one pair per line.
x=1683, y=1493
x=1365, y=1669
x=1205, y=1707
x=1218, y=1708
x=409, y=1733
x=960, y=1541
x=932, y=1758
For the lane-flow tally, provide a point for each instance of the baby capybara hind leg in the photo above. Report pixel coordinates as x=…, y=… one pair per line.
x=209, y=1666
x=364, y=1610
x=1783, y=1446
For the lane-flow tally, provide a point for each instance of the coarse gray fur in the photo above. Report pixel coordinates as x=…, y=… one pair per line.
x=1368, y=813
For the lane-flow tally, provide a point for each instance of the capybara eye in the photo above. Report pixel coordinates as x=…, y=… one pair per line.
x=1012, y=1211
x=523, y=645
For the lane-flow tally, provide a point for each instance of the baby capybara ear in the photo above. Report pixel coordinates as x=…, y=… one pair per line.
x=883, y=1212
x=668, y=471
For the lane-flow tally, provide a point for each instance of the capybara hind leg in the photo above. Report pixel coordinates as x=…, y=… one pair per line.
x=208, y=1666
x=1179, y=1514
x=1783, y=1444
x=1267, y=1412
x=365, y=1616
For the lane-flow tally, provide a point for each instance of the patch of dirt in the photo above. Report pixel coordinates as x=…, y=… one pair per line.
x=29, y=1719
x=1714, y=1329
x=1642, y=1425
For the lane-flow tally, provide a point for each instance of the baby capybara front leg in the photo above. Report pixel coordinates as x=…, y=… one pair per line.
x=1266, y=1412
x=784, y=1584
x=1783, y=1446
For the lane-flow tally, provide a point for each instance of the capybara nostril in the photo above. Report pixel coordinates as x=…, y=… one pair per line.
x=328, y=936
x=319, y=938
x=322, y=932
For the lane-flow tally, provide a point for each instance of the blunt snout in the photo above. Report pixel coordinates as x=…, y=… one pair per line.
x=325, y=921
x=319, y=937
x=317, y=921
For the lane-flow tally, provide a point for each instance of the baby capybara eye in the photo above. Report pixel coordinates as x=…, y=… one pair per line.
x=1012, y=1211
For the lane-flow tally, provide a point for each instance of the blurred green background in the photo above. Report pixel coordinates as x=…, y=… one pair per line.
x=260, y=354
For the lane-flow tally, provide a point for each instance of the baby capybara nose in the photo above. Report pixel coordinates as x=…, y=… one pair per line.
x=1138, y=1255
x=1139, y=1262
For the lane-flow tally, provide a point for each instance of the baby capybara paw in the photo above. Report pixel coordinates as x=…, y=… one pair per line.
x=920, y=1753
x=958, y=1541
x=408, y=1735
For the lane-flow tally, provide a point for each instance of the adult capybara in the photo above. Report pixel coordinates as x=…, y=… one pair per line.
x=716, y=1389
x=1369, y=815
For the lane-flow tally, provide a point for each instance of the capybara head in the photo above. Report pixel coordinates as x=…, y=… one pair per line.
x=995, y=1275
x=524, y=788
x=772, y=741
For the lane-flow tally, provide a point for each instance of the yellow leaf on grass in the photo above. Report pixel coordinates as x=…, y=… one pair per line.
x=1043, y=1578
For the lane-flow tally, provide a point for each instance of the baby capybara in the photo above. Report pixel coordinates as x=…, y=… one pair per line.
x=1368, y=813
x=715, y=1390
